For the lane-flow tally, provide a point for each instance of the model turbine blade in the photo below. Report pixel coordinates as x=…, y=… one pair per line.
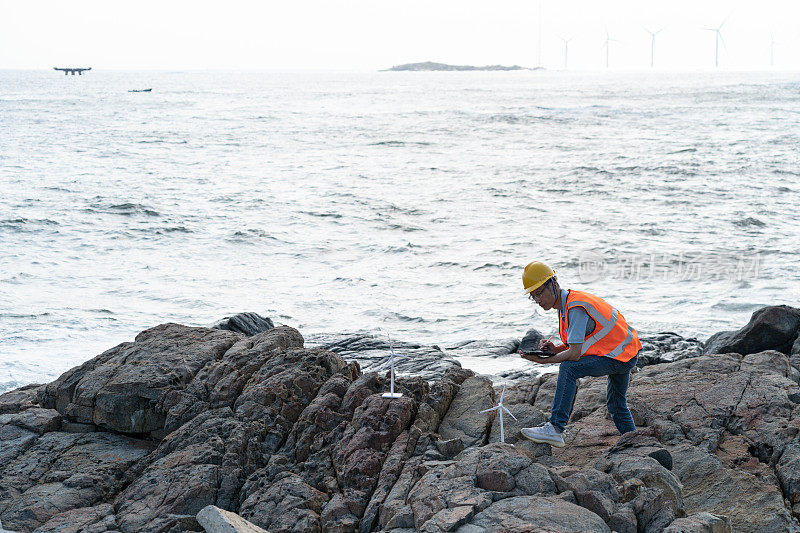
x=510, y=413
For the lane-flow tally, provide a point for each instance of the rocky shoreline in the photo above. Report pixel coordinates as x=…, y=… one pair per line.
x=244, y=427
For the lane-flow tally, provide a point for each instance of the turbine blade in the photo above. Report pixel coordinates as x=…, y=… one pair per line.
x=510, y=413
x=725, y=20
x=490, y=409
x=502, y=393
x=725, y=46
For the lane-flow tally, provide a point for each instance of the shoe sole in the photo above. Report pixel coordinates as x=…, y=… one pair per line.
x=557, y=444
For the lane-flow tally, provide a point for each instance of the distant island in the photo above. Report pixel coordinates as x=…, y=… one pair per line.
x=430, y=65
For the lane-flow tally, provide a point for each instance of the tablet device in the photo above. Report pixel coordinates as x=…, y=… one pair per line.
x=541, y=353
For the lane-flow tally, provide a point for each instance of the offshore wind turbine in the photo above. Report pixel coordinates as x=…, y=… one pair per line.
x=717, y=38
x=652, y=44
x=566, y=50
x=608, y=40
x=500, y=408
x=771, y=50
x=539, y=62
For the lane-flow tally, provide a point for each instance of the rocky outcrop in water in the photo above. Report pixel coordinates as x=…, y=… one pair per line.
x=149, y=434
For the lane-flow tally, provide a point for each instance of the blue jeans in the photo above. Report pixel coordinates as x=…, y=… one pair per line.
x=594, y=365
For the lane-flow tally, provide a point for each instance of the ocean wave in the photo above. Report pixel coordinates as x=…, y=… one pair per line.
x=407, y=229
x=124, y=209
x=23, y=315
x=506, y=265
x=251, y=236
x=749, y=222
x=400, y=143
x=683, y=151
x=515, y=119
x=322, y=215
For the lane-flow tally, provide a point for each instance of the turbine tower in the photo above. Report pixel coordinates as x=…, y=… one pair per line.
x=771, y=50
x=539, y=63
x=652, y=45
x=392, y=355
x=608, y=47
x=566, y=50
x=500, y=408
x=717, y=38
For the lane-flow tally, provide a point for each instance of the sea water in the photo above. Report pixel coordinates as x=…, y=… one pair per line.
x=409, y=201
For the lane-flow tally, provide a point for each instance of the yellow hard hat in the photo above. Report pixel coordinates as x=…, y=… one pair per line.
x=535, y=275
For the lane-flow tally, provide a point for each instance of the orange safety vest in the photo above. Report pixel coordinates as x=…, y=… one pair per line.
x=611, y=337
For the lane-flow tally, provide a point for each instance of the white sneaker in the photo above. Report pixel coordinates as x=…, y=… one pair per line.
x=546, y=434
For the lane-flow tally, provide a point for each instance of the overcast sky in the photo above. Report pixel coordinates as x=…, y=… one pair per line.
x=373, y=34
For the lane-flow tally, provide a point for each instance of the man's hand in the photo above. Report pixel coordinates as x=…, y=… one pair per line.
x=547, y=346
x=535, y=358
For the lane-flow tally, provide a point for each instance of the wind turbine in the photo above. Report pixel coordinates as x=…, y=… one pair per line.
x=652, y=44
x=771, y=50
x=392, y=355
x=566, y=50
x=608, y=40
x=539, y=64
x=500, y=408
x=717, y=39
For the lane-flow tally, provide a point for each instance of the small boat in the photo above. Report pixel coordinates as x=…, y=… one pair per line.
x=140, y=90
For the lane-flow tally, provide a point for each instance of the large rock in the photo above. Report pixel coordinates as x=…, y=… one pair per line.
x=124, y=388
x=19, y=399
x=248, y=324
x=58, y=472
x=700, y=523
x=771, y=328
x=667, y=347
x=464, y=420
x=97, y=519
x=372, y=353
x=207, y=460
x=535, y=513
x=216, y=520
x=530, y=342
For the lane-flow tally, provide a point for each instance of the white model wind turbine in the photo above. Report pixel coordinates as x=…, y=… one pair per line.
x=566, y=50
x=500, y=408
x=392, y=355
x=652, y=45
x=717, y=38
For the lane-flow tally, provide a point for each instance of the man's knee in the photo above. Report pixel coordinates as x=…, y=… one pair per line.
x=568, y=367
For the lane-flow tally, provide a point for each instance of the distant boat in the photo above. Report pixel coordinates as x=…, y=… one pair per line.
x=140, y=90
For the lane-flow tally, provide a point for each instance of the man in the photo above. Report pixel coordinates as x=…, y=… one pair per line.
x=595, y=341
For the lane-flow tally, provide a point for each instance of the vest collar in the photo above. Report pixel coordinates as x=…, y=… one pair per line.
x=564, y=294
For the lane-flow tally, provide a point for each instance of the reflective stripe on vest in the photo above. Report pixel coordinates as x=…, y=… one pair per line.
x=611, y=337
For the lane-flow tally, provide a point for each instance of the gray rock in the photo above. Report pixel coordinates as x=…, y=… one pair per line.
x=535, y=513
x=19, y=399
x=124, y=388
x=59, y=472
x=216, y=520
x=372, y=354
x=97, y=519
x=530, y=342
x=667, y=347
x=700, y=523
x=464, y=419
x=248, y=324
x=527, y=416
x=773, y=327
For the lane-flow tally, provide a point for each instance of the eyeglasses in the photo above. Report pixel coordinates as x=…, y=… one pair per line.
x=535, y=294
